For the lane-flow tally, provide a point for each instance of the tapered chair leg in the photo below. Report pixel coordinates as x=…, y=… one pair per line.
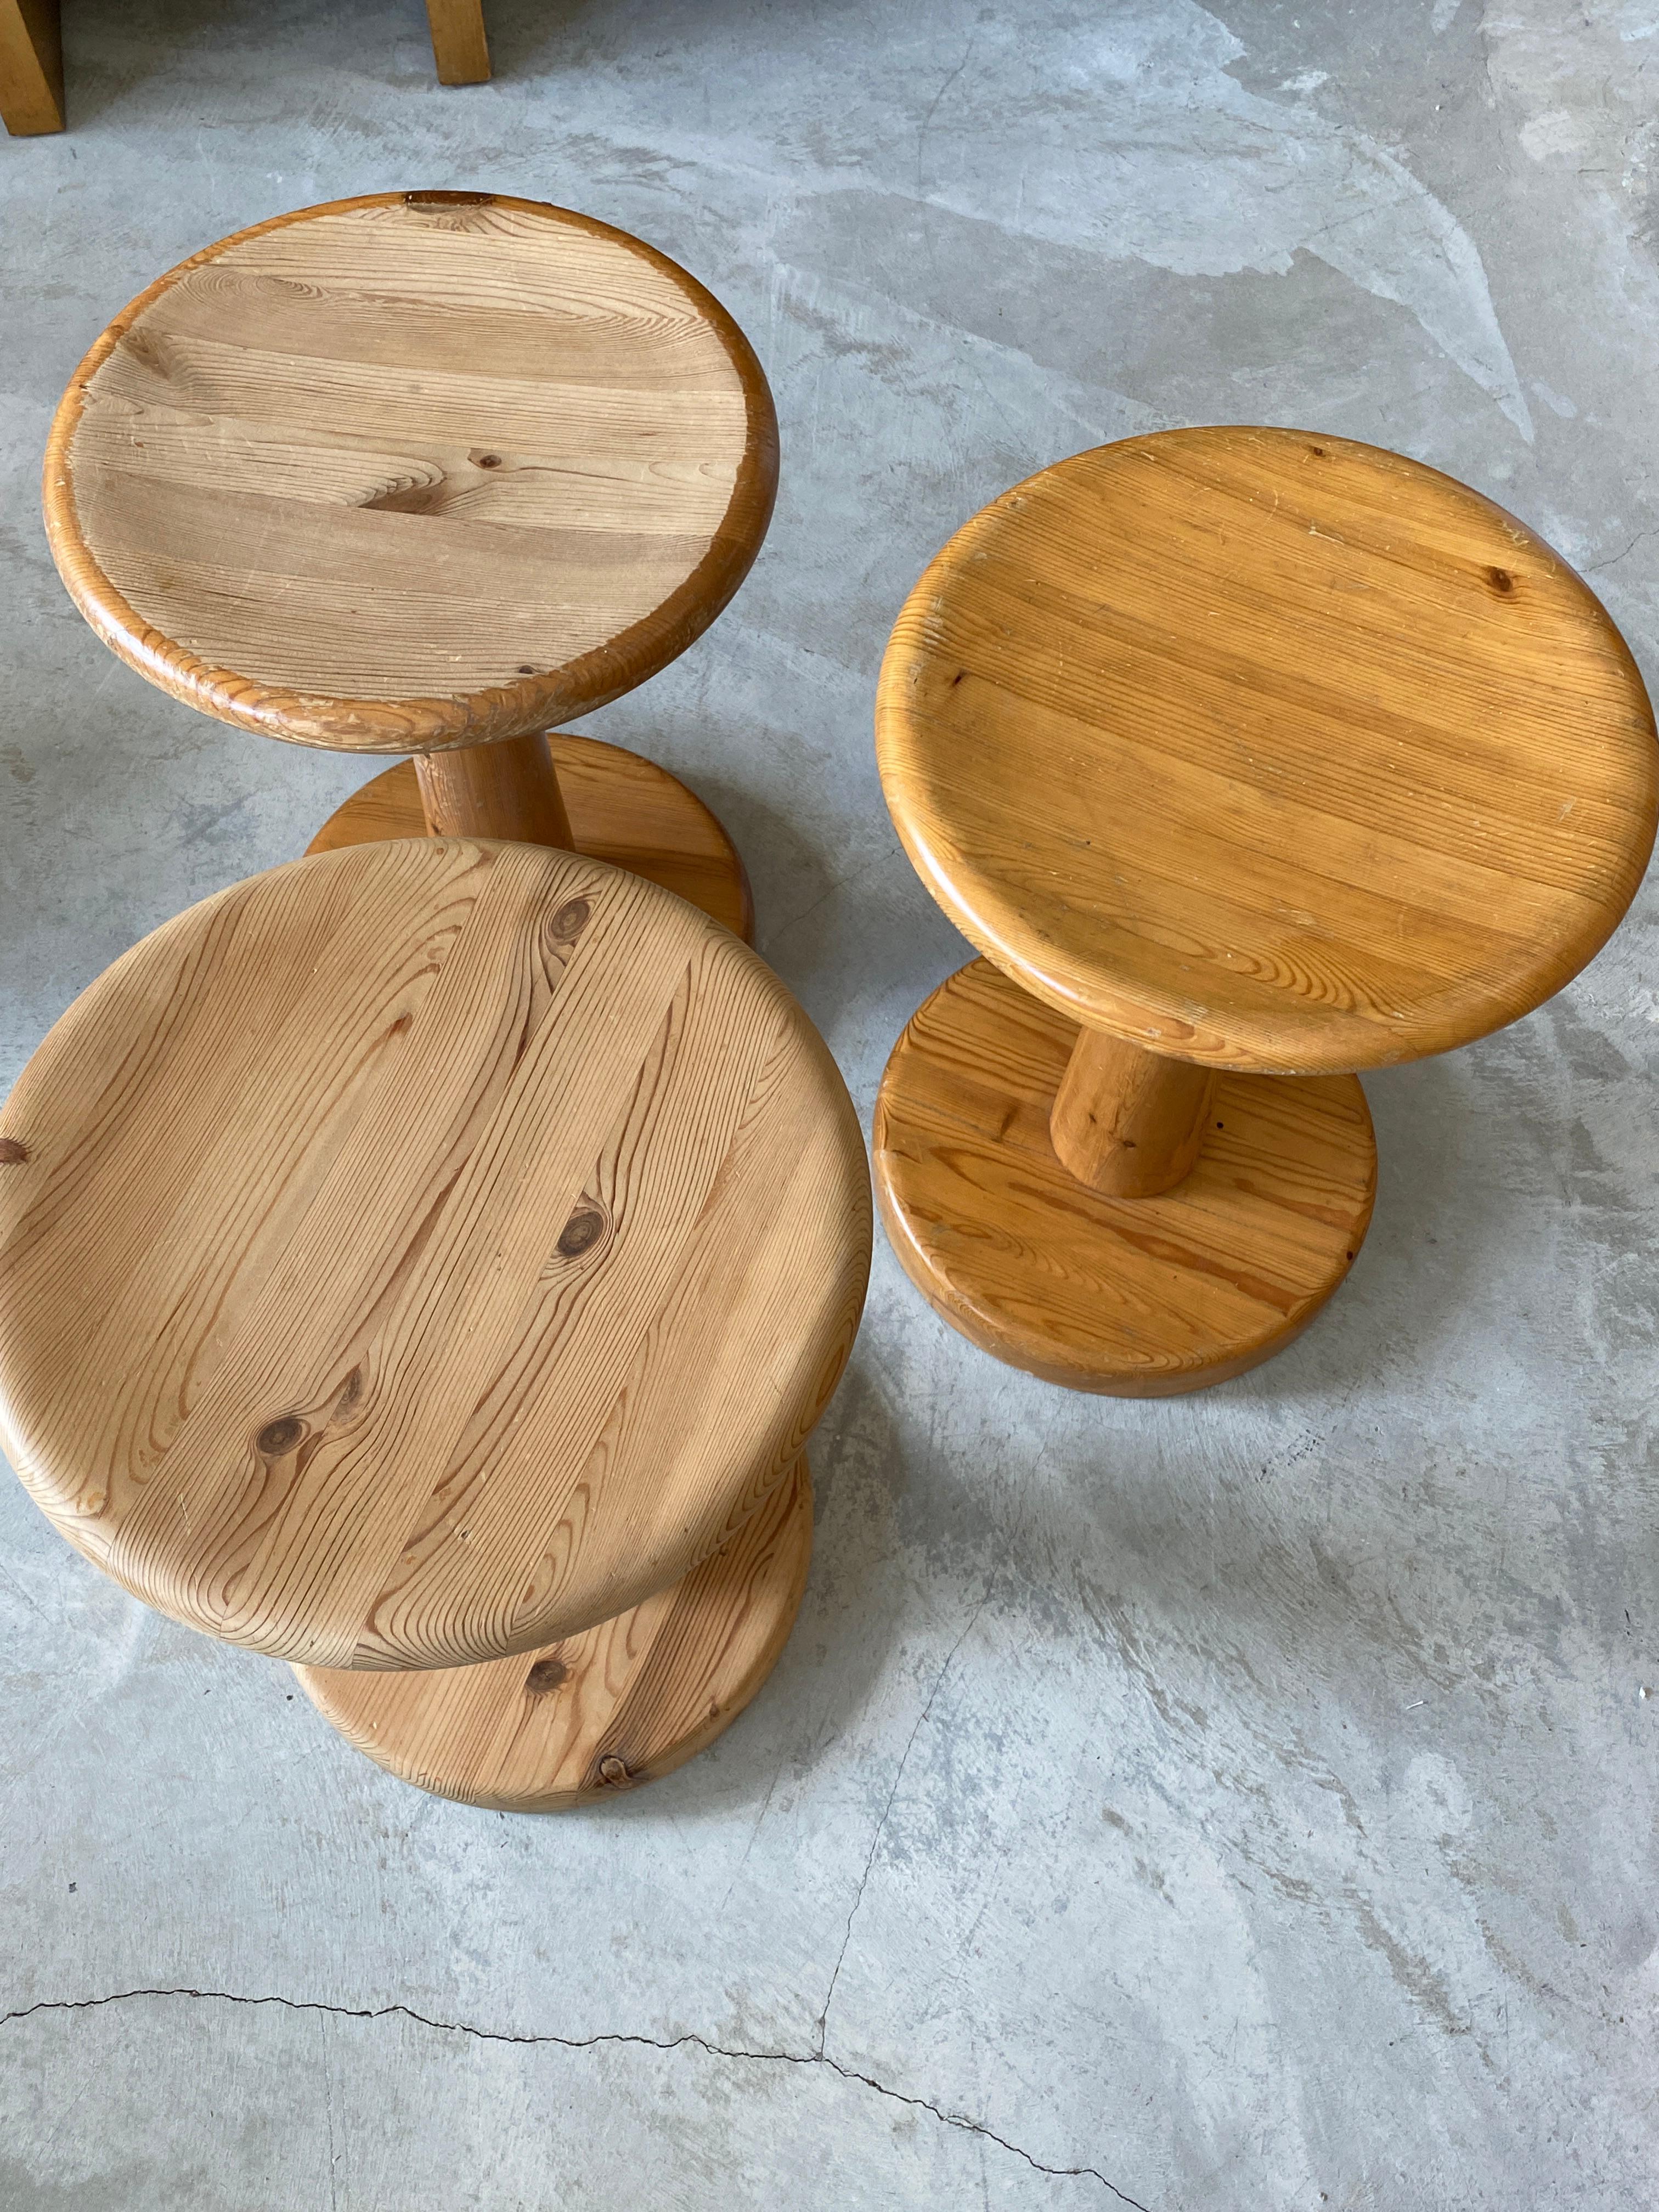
x=459, y=44
x=31, y=68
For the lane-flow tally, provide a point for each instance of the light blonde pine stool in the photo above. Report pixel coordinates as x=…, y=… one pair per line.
x=434, y=1255
x=1248, y=759
x=425, y=473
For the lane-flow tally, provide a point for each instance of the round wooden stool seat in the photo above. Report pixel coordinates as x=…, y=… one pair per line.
x=1245, y=750
x=423, y=1252
x=423, y=473
x=411, y=472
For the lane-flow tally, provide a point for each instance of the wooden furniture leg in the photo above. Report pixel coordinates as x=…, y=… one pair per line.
x=504, y=790
x=613, y=805
x=1127, y=1121
x=459, y=44
x=31, y=68
x=32, y=63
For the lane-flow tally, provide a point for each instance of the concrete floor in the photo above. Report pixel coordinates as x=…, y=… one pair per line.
x=1246, y=1801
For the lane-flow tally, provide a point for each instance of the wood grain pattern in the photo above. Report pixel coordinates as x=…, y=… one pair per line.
x=459, y=47
x=1268, y=750
x=1138, y=1297
x=412, y=470
x=624, y=1703
x=31, y=68
x=422, y=1251
x=622, y=808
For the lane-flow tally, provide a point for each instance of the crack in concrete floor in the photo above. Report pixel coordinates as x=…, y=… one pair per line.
x=881, y=1825
x=809, y=2058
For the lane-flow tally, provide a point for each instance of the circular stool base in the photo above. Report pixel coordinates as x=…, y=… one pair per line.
x=619, y=1704
x=623, y=808
x=1139, y=1297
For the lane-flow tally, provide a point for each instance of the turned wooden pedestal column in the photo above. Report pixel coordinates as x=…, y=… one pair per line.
x=506, y=790
x=426, y=473
x=1248, y=759
x=1126, y=1122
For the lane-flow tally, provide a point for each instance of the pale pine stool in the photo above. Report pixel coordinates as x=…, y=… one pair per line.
x=425, y=473
x=426, y=1263
x=1248, y=759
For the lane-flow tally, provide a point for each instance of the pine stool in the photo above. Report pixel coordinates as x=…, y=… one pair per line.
x=1248, y=759
x=425, y=473
x=434, y=1255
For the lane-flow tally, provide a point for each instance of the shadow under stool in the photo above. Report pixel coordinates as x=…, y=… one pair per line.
x=1248, y=759
x=426, y=1263
x=424, y=473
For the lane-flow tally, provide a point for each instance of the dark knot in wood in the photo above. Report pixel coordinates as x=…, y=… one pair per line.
x=581, y=1232
x=278, y=1438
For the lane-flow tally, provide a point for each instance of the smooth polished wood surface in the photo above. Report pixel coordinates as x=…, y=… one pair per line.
x=506, y=790
x=413, y=470
x=422, y=1251
x=1140, y=1297
x=622, y=808
x=31, y=68
x=1267, y=750
x=624, y=1703
x=1127, y=1121
x=459, y=47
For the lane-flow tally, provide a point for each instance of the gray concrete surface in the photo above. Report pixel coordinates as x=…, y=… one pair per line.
x=1245, y=1802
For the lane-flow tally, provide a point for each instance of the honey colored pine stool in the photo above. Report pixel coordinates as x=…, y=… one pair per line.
x=1248, y=759
x=433, y=1255
x=425, y=473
